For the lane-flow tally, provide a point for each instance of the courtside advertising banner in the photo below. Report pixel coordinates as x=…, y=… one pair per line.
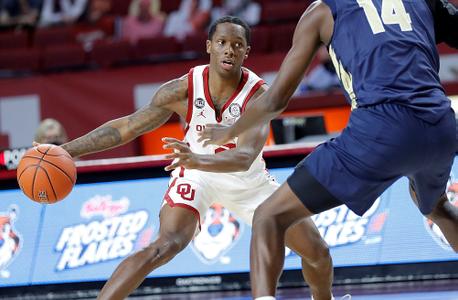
x=20, y=230
x=85, y=237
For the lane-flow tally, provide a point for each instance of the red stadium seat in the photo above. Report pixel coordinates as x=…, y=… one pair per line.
x=168, y=6
x=445, y=49
x=46, y=37
x=282, y=36
x=120, y=7
x=156, y=47
x=277, y=12
x=22, y=59
x=110, y=53
x=64, y=56
x=264, y=2
x=260, y=39
x=14, y=39
x=195, y=43
x=4, y=141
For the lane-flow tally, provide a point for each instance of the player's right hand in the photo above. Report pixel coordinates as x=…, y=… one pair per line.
x=216, y=134
x=182, y=155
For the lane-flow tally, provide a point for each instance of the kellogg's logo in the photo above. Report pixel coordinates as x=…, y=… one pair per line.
x=104, y=206
x=10, y=240
x=432, y=228
x=97, y=241
x=340, y=226
x=220, y=231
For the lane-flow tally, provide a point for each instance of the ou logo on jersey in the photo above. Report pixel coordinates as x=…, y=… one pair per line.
x=186, y=191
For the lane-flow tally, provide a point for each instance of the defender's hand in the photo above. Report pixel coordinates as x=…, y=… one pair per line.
x=215, y=134
x=182, y=155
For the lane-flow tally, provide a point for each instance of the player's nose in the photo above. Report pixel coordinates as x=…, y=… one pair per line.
x=229, y=51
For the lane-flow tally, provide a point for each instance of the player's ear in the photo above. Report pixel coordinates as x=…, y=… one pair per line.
x=248, y=48
x=209, y=44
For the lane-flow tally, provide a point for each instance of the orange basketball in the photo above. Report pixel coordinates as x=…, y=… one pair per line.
x=46, y=174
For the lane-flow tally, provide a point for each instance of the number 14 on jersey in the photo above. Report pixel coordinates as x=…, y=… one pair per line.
x=393, y=13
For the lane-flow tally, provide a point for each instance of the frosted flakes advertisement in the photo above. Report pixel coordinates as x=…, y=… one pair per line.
x=85, y=237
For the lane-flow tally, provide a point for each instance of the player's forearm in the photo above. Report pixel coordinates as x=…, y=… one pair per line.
x=260, y=113
x=224, y=162
x=105, y=137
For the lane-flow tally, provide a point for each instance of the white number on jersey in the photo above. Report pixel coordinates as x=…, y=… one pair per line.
x=393, y=12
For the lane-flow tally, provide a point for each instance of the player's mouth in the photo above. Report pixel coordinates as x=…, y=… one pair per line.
x=227, y=64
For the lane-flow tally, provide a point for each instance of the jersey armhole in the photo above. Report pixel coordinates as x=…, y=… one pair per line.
x=333, y=6
x=253, y=90
x=190, y=96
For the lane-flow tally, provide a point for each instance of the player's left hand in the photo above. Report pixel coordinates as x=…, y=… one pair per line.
x=182, y=155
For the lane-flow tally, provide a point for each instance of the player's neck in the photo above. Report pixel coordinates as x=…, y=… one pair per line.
x=221, y=87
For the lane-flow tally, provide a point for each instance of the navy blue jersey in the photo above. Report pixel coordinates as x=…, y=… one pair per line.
x=385, y=51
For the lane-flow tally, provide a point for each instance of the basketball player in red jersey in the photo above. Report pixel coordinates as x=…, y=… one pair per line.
x=235, y=177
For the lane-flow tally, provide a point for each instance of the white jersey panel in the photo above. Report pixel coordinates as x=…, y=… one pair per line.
x=201, y=111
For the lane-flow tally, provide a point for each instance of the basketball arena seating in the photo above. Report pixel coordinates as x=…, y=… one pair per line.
x=57, y=48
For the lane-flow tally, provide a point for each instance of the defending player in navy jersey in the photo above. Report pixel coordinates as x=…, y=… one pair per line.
x=401, y=124
x=235, y=176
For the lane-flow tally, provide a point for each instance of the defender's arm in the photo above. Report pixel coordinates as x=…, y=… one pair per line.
x=307, y=38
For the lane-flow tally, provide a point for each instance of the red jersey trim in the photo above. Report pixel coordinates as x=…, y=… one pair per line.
x=182, y=205
x=190, y=98
x=254, y=89
x=237, y=91
x=208, y=98
x=170, y=187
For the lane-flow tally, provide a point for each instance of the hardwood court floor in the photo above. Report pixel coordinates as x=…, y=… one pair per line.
x=438, y=290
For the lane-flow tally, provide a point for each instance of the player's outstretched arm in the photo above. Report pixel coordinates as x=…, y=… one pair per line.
x=238, y=159
x=308, y=35
x=123, y=130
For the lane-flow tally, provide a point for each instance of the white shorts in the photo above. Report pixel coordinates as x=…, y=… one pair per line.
x=199, y=190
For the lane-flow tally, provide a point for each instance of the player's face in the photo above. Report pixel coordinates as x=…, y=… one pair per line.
x=228, y=48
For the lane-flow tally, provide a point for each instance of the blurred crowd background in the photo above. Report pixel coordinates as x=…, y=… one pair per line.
x=43, y=35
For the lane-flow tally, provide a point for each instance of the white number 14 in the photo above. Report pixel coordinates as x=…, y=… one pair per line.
x=393, y=12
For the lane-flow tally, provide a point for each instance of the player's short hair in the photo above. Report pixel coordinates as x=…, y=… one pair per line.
x=233, y=20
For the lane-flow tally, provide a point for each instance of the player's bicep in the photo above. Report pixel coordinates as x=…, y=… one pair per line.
x=159, y=109
x=306, y=40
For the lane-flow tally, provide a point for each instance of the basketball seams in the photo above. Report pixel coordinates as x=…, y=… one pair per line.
x=36, y=171
x=50, y=154
x=33, y=180
x=59, y=165
x=50, y=183
x=25, y=169
x=60, y=169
